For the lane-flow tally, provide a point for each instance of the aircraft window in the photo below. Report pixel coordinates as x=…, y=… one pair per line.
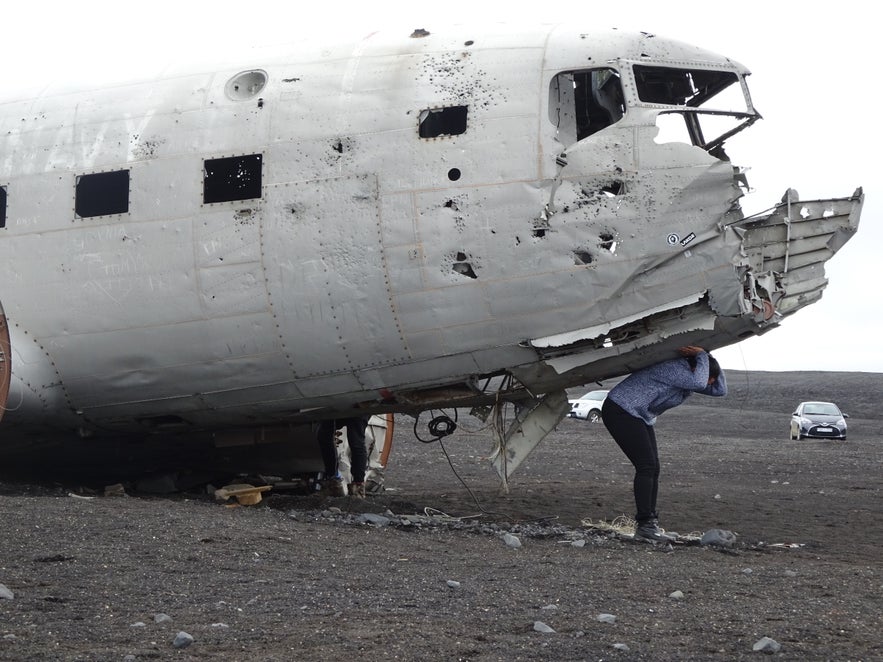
x=437, y=122
x=584, y=102
x=699, y=120
x=2, y=206
x=232, y=178
x=102, y=194
x=680, y=87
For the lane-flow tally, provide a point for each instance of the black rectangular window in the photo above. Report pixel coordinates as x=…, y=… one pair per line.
x=443, y=122
x=2, y=206
x=102, y=194
x=680, y=87
x=232, y=178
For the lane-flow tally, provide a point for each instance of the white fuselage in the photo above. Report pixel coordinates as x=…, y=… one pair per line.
x=372, y=260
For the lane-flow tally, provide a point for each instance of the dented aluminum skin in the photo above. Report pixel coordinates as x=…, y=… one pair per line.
x=380, y=269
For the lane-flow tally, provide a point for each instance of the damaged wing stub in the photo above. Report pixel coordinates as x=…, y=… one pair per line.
x=783, y=251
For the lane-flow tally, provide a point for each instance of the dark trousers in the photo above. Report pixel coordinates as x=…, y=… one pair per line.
x=355, y=436
x=638, y=441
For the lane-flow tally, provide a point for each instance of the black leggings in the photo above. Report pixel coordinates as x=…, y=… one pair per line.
x=638, y=441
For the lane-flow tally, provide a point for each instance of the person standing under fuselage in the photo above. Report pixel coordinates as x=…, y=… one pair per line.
x=630, y=412
x=355, y=436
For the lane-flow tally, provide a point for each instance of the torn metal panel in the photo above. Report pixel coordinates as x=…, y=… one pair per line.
x=601, y=330
x=529, y=428
x=783, y=251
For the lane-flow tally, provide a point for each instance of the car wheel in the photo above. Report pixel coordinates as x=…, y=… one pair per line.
x=792, y=434
x=594, y=416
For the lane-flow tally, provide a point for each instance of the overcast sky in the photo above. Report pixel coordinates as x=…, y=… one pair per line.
x=811, y=82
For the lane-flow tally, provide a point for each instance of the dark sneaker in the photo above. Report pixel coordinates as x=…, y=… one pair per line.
x=357, y=490
x=650, y=530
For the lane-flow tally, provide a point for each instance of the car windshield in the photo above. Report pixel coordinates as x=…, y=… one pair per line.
x=594, y=395
x=821, y=408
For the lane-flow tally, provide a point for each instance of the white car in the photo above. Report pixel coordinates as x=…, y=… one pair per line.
x=588, y=407
x=822, y=420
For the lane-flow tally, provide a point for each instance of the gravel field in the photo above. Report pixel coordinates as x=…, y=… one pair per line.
x=432, y=577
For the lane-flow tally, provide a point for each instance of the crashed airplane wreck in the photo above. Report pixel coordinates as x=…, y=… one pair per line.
x=199, y=266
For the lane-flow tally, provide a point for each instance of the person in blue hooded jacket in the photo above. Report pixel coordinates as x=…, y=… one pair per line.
x=630, y=412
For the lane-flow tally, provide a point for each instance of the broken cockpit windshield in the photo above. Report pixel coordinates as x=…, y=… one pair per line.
x=585, y=101
x=713, y=105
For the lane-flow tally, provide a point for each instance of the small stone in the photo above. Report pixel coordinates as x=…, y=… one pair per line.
x=182, y=640
x=790, y=573
x=549, y=607
x=606, y=618
x=539, y=626
x=621, y=647
x=161, y=618
x=371, y=518
x=511, y=541
x=5, y=593
x=747, y=571
x=676, y=595
x=578, y=543
x=115, y=490
x=767, y=645
x=220, y=625
x=138, y=624
x=718, y=537
x=9, y=636
x=453, y=583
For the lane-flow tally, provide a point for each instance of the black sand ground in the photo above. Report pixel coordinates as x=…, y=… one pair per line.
x=293, y=579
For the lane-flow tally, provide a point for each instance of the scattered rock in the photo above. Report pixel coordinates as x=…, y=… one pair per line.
x=790, y=573
x=371, y=518
x=138, y=624
x=767, y=645
x=718, y=538
x=511, y=541
x=539, y=626
x=453, y=583
x=182, y=640
x=579, y=543
x=161, y=618
x=676, y=595
x=5, y=593
x=549, y=607
x=116, y=489
x=606, y=618
x=621, y=647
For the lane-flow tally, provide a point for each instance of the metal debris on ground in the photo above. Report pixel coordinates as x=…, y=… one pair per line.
x=245, y=494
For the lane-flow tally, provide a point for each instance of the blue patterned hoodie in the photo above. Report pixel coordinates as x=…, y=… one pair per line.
x=648, y=392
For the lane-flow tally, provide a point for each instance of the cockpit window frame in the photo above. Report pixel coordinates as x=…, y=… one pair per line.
x=704, y=84
x=583, y=102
